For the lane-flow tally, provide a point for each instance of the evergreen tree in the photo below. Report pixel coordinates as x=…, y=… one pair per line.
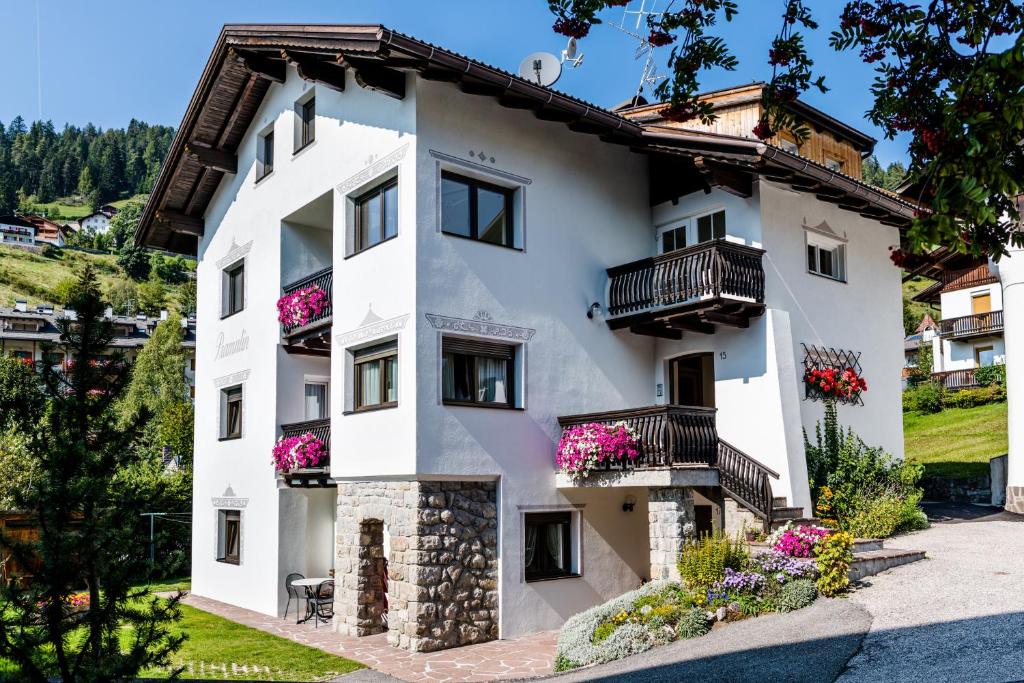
x=158, y=378
x=123, y=225
x=134, y=261
x=90, y=533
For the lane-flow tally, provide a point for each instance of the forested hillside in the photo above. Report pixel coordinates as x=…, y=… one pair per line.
x=87, y=166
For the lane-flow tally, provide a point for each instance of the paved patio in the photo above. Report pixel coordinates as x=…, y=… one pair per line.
x=526, y=657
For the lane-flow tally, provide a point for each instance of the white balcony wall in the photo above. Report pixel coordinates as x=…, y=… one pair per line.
x=957, y=303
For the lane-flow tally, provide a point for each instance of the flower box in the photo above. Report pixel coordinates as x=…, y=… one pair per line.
x=299, y=452
x=302, y=306
x=585, y=447
x=831, y=384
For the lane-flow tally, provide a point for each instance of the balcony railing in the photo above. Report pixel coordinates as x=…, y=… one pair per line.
x=323, y=279
x=667, y=435
x=972, y=325
x=314, y=476
x=956, y=379
x=707, y=270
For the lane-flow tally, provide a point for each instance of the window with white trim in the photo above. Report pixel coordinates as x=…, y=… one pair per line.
x=315, y=399
x=693, y=230
x=229, y=536
x=826, y=257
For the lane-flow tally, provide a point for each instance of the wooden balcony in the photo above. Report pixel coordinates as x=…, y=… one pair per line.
x=313, y=477
x=313, y=338
x=968, y=326
x=954, y=380
x=691, y=289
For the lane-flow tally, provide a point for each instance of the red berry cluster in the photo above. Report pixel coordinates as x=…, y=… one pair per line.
x=763, y=130
x=574, y=28
x=659, y=38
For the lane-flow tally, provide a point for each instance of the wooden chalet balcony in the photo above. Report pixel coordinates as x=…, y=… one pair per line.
x=691, y=289
x=967, y=326
x=313, y=476
x=313, y=338
x=955, y=380
x=679, y=446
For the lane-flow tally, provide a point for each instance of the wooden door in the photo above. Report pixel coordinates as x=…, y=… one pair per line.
x=702, y=520
x=692, y=380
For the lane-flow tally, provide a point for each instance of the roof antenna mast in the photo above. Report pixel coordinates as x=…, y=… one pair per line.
x=634, y=25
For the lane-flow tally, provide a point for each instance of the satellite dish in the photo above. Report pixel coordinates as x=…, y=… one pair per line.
x=571, y=54
x=542, y=68
x=570, y=49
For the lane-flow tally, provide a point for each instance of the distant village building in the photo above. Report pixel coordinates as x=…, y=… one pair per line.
x=99, y=221
x=33, y=335
x=48, y=231
x=926, y=331
x=17, y=231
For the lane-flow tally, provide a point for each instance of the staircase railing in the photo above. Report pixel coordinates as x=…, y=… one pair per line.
x=746, y=480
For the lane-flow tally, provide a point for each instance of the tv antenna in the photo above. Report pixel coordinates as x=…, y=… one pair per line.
x=542, y=68
x=570, y=54
x=640, y=18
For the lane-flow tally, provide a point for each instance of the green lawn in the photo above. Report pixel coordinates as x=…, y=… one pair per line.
x=80, y=208
x=957, y=442
x=24, y=275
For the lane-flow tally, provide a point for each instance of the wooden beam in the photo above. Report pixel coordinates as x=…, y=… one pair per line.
x=179, y=222
x=317, y=71
x=728, y=179
x=726, y=319
x=377, y=78
x=216, y=159
x=272, y=70
x=690, y=324
x=550, y=114
x=653, y=330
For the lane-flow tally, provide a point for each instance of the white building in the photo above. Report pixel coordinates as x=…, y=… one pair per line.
x=15, y=231
x=970, y=332
x=98, y=221
x=500, y=259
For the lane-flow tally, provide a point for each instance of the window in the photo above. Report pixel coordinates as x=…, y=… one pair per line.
x=548, y=545
x=376, y=376
x=265, y=155
x=377, y=215
x=789, y=146
x=703, y=228
x=477, y=210
x=233, y=290
x=826, y=257
x=305, y=123
x=477, y=373
x=316, y=401
x=984, y=356
x=834, y=164
x=22, y=355
x=231, y=413
x=229, y=536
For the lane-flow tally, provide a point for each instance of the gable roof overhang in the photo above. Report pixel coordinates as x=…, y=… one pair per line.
x=247, y=59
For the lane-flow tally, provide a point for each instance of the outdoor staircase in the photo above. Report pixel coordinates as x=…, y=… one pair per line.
x=870, y=556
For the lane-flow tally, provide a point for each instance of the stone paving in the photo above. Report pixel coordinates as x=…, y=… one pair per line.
x=517, y=658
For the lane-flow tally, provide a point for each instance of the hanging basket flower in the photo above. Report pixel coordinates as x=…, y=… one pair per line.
x=299, y=452
x=584, y=447
x=301, y=306
x=830, y=384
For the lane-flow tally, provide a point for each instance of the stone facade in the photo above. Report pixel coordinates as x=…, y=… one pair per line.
x=966, y=490
x=1015, y=499
x=670, y=522
x=442, y=568
x=738, y=519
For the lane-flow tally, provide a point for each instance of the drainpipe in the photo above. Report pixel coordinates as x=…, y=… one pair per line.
x=1010, y=270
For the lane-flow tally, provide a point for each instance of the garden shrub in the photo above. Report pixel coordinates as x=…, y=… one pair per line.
x=926, y=398
x=834, y=555
x=602, y=632
x=881, y=513
x=988, y=375
x=972, y=398
x=797, y=595
x=693, y=624
x=703, y=562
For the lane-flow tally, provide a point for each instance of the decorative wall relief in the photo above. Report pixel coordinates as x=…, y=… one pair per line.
x=371, y=327
x=229, y=348
x=235, y=252
x=481, y=325
x=373, y=169
x=233, y=378
x=441, y=156
x=229, y=500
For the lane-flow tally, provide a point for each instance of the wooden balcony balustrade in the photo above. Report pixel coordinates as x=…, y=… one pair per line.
x=977, y=325
x=686, y=436
x=313, y=338
x=314, y=476
x=955, y=380
x=691, y=289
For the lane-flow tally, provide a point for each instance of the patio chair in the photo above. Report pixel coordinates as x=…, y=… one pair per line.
x=296, y=593
x=323, y=602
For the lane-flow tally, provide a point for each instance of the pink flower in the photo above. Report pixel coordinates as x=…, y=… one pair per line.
x=299, y=452
x=300, y=307
x=584, y=447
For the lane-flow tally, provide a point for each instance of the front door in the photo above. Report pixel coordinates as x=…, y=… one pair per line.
x=692, y=380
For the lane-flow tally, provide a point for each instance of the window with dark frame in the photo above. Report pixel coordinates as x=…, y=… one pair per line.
x=477, y=373
x=376, y=376
x=231, y=424
x=548, y=545
x=233, y=290
x=477, y=210
x=229, y=543
x=711, y=227
x=265, y=155
x=827, y=261
x=377, y=215
x=306, y=123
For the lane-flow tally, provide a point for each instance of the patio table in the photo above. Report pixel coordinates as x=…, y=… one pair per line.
x=310, y=585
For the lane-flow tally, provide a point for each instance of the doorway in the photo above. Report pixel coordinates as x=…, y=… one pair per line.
x=692, y=380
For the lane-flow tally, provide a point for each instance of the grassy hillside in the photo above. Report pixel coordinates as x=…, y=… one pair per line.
x=73, y=208
x=958, y=442
x=913, y=311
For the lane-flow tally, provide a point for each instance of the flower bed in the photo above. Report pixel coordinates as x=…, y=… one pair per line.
x=584, y=447
x=721, y=581
x=299, y=452
x=301, y=306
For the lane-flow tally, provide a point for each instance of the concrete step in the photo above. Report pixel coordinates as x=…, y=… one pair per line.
x=871, y=562
x=780, y=501
x=798, y=520
x=865, y=545
x=787, y=513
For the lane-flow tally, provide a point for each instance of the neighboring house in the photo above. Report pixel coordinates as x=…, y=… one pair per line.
x=15, y=230
x=501, y=261
x=32, y=335
x=926, y=331
x=970, y=333
x=47, y=231
x=98, y=221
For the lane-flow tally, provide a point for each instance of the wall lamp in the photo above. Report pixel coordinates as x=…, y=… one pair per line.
x=629, y=504
x=595, y=309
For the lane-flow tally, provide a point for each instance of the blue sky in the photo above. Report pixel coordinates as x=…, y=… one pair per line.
x=107, y=61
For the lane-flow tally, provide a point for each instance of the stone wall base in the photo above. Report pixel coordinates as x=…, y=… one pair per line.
x=671, y=521
x=1015, y=499
x=442, y=571
x=739, y=518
